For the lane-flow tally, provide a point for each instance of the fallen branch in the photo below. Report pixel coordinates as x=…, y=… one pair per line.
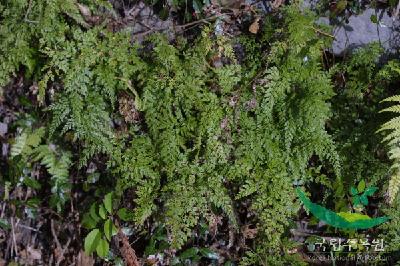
x=128, y=253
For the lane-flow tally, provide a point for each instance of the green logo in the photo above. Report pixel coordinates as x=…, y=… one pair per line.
x=345, y=220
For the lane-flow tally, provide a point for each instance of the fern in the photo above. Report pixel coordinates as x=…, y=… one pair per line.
x=393, y=141
x=28, y=26
x=204, y=135
x=28, y=147
x=184, y=122
x=57, y=166
x=283, y=131
x=138, y=167
x=26, y=142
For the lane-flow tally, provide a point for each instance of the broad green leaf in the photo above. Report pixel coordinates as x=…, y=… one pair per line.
x=364, y=199
x=339, y=220
x=92, y=241
x=108, y=202
x=102, y=248
x=351, y=217
x=93, y=213
x=125, y=214
x=353, y=191
x=370, y=191
x=189, y=253
x=102, y=211
x=356, y=200
x=361, y=186
x=339, y=190
x=109, y=229
x=88, y=222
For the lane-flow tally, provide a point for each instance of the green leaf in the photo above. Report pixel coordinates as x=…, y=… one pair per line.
x=102, y=211
x=339, y=190
x=33, y=183
x=351, y=217
x=364, y=199
x=374, y=19
x=339, y=220
x=370, y=191
x=108, y=202
x=353, y=191
x=356, y=200
x=102, y=248
x=109, y=229
x=125, y=214
x=92, y=241
x=208, y=253
x=93, y=213
x=189, y=253
x=361, y=186
x=88, y=222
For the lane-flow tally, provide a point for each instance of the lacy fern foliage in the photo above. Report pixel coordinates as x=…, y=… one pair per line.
x=393, y=142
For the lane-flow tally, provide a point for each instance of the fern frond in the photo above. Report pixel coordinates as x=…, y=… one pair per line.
x=394, y=186
x=393, y=124
x=393, y=142
x=19, y=145
x=57, y=166
x=26, y=141
x=395, y=98
x=393, y=109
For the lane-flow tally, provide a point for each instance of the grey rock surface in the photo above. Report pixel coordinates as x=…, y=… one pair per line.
x=360, y=31
x=3, y=129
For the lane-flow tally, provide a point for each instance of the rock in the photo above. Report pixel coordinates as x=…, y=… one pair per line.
x=360, y=31
x=3, y=129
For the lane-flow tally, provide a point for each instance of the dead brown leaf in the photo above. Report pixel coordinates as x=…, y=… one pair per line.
x=255, y=26
x=127, y=109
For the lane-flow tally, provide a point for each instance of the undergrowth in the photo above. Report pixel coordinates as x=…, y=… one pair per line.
x=183, y=131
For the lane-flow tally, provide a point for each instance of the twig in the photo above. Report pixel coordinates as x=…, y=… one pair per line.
x=14, y=242
x=62, y=250
x=396, y=12
x=27, y=13
x=53, y=232
x=28, y=227
x=323, y=33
